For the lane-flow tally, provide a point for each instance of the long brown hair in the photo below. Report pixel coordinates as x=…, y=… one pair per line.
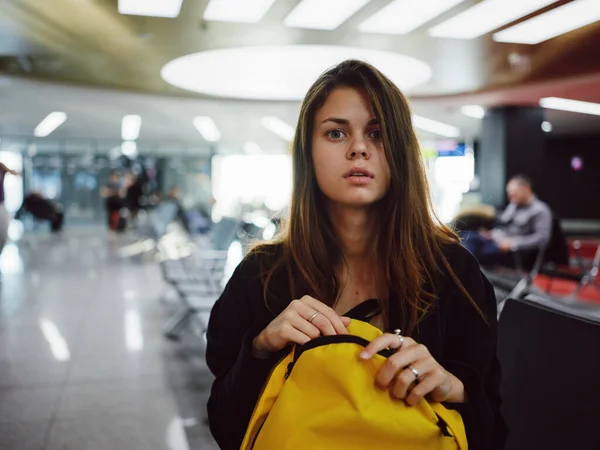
x=408, y=250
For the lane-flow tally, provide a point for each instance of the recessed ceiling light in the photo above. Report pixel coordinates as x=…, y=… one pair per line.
x=475, y=111
x=207, y=127
x=433, y=126
x=153, y=8
x=242, y=11
x=281, y=72
x=49, y=124
x=130, y=127
x=565, y=104
x=546, y=126
x=486, y=16
x=404, y=16
x=323, y=14
x=279, y=127
x=553, y=23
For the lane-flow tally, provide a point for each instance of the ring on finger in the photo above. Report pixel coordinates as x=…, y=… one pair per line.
x=398, y=332
x=415, y=373
x=313, y=317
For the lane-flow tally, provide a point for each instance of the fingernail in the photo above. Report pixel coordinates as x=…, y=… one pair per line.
x=364, y=355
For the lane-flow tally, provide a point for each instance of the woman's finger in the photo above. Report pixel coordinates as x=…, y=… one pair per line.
x=385, y=341
x=412, y=376
x=332, y=317
x=305, y=327
x=396, y=363
x=291, y=334
x=417, y=391
x=322, y=323
x=313, y=317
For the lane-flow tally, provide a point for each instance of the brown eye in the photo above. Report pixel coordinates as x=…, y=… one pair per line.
x=375, y=134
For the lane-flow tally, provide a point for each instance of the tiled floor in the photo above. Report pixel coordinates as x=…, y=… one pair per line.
x=83, y=364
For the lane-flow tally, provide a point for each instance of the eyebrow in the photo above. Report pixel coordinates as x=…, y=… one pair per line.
x=341, y=121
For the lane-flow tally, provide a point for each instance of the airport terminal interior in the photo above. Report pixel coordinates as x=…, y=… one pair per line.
x=146, y=146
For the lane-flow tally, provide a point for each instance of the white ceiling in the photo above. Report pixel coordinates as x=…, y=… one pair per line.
x=90, y=43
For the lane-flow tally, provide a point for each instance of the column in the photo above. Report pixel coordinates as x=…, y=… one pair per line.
x=512, y=142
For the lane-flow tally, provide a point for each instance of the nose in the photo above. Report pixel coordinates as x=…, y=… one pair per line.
x=358, y=149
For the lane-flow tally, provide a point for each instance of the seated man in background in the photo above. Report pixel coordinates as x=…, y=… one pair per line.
x=524, y=226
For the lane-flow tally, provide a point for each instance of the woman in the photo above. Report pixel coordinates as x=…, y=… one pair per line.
x=360, y=227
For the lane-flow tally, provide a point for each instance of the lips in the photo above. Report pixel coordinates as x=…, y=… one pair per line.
x=358, y=172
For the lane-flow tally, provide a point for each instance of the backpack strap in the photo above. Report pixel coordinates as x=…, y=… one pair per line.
x=366, y=310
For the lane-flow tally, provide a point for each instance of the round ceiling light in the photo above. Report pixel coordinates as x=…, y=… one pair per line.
x=281, y=72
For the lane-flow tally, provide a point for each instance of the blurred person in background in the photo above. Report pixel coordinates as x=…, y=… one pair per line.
x=134, y=193
x=4, y=216
x=524, y=226
x=113, y=193
x=360, y=227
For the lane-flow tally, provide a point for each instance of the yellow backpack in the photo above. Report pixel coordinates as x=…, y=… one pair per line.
x=322, y=396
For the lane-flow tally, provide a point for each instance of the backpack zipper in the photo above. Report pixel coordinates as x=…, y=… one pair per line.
x=327, y=340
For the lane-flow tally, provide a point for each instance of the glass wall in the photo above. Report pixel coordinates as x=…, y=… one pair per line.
x=73, y=172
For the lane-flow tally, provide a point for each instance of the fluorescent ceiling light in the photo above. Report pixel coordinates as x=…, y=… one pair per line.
x=565, y=104
x=475, y=111
x=553, y=23
x=485, y=17
x=129, y=148
x=546, y=126
x=244, y=11
x=404, y=16
x=281, y=72
x=252, y=148
x=152, y=8
x=433, y=126
x=49, y=124
x=279, y=127
x=130, y=127
x=323, y=14
x=207, y=128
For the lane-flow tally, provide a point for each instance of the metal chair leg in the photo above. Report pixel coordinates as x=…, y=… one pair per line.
x=176, y=323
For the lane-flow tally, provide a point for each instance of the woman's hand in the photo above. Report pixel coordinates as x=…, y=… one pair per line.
x=412, y=373
x=301, y=321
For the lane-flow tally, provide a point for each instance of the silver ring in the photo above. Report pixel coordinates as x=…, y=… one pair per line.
x=415, y=372
x=313, y=317
x=398, y=332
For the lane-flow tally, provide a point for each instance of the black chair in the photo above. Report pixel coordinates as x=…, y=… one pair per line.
x=550, y=374
x=557, y=252
x=515, y=283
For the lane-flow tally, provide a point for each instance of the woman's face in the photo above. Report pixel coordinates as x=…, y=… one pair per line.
x=347, y=150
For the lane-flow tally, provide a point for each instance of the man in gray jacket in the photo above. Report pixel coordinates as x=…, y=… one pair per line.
x=525, y=226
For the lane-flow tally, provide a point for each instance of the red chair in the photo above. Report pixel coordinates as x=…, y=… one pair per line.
x=580, y=276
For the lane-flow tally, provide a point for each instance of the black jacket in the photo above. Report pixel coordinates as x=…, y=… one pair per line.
x=455, y=334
